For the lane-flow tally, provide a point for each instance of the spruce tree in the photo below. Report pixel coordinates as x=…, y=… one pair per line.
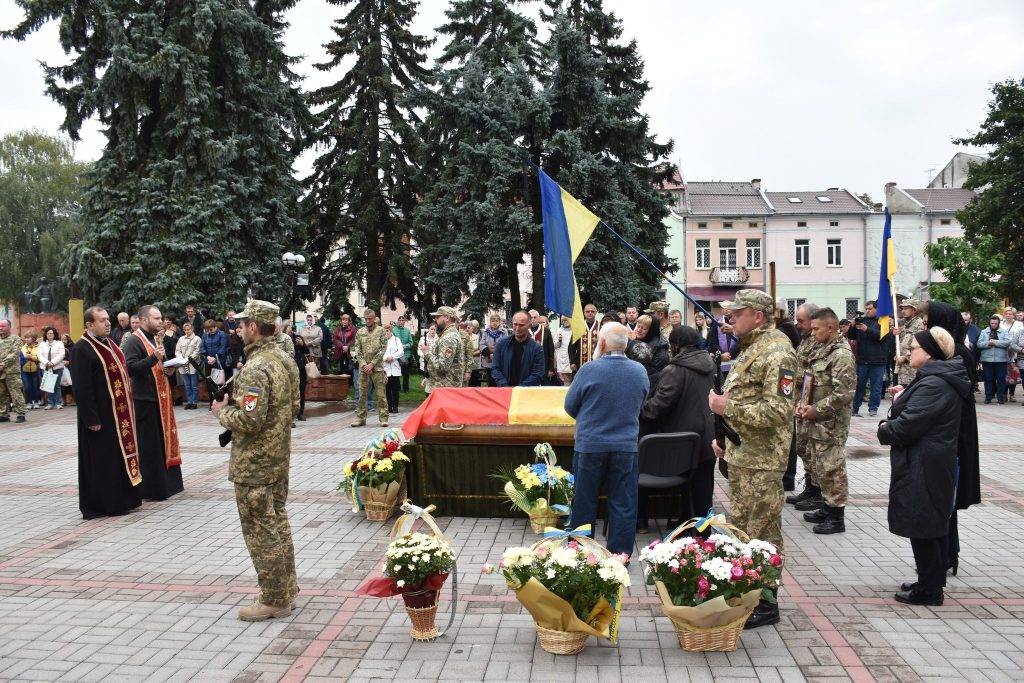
x=362, y=191
x=192, y=199
x=475, y=220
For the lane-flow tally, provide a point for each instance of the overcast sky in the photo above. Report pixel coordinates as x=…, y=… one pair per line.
x=804, y=95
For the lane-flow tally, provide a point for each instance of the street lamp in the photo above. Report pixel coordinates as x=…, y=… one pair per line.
x=295, y=263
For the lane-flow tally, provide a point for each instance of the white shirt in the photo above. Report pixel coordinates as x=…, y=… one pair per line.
x=51, y=353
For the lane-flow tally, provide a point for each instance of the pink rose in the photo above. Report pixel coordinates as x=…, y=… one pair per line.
x=592, y=559
x=737, y=573
x=752, y=575
x=574, y=545
x=746, y=562
x=622, y=557
x=650, y=546
x=775, y=561
x=675, y=570
x=487, y=569
x=709, y=546
x=541, y=552
x=703, y=586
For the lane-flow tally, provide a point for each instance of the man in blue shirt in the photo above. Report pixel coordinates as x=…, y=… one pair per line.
x=605, y=397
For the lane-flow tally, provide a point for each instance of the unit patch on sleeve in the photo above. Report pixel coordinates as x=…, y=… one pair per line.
x=251, y=398
x=786, y=381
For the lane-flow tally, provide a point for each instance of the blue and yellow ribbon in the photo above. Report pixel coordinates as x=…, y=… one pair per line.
x=578, y=532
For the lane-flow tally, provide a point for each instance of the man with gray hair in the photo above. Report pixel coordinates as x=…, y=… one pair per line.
x=605, y=397
x=810, y=497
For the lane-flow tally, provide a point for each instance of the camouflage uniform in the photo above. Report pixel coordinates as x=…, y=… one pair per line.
x=293, y=375
x=908, y=329
x=260, y=417
x=762, y=388
x=369, y=348
x=803, y=353
x=666, y=328
x=285, y=343
x=10, y=381
x=467, y=355
x=446, y=360
x=835, y=381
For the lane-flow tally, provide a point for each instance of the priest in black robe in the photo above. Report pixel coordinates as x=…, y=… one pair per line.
x=159, y=453
x=109, y=481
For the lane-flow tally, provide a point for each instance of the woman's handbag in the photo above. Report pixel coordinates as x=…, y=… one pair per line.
x=312, y=371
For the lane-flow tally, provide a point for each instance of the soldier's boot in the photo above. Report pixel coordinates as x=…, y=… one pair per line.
x=835, y=524
x=20, y=418
x=810, y=491
x=765, y=614
x=810, y=503
x=257, y=611
x=360, y=422
x=5, y=418
x=819, y=515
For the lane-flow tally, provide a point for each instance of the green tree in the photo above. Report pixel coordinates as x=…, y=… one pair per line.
x=974, y=270
x=193, y=198
x=474, y=221
x=40, y=201
x=998, y=211
x=362, y=190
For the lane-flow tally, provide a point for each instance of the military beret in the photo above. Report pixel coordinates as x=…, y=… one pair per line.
x=445, y=310
x=750, y=298
x=260, y=311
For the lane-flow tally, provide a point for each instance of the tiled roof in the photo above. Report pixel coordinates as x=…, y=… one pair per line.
x=725, y=199
x=942, y=199
x=840, y=201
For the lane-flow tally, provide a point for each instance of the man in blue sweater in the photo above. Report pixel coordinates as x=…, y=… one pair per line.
x=605, y=397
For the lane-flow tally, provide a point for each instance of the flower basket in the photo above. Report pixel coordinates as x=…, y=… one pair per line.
x=376, y=481
x=730, y=565
x=563, y=626
x=421, y=606
x=539, y=521
x=379, y=502
x=542, y=490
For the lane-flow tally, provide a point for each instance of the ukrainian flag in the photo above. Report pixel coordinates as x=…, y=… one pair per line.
x=567, y=227
x=886, y=273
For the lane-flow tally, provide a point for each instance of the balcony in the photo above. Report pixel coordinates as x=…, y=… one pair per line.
x=729, y=276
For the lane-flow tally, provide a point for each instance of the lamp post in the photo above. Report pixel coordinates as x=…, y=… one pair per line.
x=295, y=263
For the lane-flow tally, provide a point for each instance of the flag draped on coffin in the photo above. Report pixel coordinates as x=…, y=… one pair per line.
x=567, y=227
x=885, y=278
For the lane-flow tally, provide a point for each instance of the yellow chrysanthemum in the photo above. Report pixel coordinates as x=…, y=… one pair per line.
x=400, y=456
x=348, y=469
x=383, y=466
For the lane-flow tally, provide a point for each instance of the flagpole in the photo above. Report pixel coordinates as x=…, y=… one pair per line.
x=895, y=314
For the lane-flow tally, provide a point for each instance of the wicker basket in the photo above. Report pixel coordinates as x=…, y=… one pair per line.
x=378, y=512
x=423, y=622
x=724, y=638
x=539, y=522
x=561, y=642
x=376, y=504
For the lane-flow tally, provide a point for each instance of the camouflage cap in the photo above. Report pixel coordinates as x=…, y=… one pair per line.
x=911, y=303
x=657, y=307
x=445, y=310
x=260, y=311
x=750, y=298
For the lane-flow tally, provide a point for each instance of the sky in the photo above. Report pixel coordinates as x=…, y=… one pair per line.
x=803, y=95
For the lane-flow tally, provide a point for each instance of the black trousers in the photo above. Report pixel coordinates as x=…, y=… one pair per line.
x=953, y=541
x=391, y=389
x=405, y=376
x=931, y=555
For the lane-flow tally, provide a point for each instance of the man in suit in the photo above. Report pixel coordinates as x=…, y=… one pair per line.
x=518, y=358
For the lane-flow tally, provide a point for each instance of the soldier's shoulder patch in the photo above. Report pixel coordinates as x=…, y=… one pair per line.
x=448, y=351
x=787, y=380
x=250, y=398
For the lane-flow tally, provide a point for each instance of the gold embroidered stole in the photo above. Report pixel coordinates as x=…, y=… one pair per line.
x=172, y=450
x=119, y=388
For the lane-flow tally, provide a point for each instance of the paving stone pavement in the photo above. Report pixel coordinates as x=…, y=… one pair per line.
x=153, y=595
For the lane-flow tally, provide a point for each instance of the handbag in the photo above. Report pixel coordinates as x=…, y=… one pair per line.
x=49, y=382
x=312, y=371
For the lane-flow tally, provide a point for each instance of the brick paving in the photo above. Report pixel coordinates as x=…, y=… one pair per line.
x=154, y=595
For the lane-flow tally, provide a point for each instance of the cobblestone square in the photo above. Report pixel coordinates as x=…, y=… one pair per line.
x=153, y=595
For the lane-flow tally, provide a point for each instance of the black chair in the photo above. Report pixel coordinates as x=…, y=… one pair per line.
x=668, y=461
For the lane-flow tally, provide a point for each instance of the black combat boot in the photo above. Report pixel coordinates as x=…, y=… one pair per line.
x=810, y=491
x=819, y=515
x=765, y=614
x=811, y=503
x=835, y=524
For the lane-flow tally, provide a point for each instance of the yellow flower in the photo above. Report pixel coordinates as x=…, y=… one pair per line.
x=348, y=469
x=400, y=456
x=383, y=466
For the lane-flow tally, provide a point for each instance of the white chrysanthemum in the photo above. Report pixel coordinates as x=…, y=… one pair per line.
x=564, y=557
x=550, y=573
x=763, y=546
x=662, y=553
x=613, y=570
x=518, y=557
x=718, y=568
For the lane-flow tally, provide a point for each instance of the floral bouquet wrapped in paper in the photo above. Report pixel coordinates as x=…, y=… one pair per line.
x=570, y=584
x=416, y=565
x=374, y=482
x=542, y=490
x=709, y=587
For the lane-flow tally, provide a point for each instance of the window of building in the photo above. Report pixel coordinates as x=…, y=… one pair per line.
x=726, y=225
x=752, y=224
x=795, y=200
x=793, y=304
x=753, y=254
x=801, y=224
x=702, y=225
x=727, y=254
x=852, y=308
x=835, y=252
x=823, y=199
x=945, y=221
x=833, y=224
x=703, y=254
x=803, y=252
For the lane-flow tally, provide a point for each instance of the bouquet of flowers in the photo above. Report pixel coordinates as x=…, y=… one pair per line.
x=542, y=490
x=708, y=587
x=373, y=482
x=572, y=589
x=416, y=565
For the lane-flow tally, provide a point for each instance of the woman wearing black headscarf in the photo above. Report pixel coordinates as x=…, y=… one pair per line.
x=968, y=487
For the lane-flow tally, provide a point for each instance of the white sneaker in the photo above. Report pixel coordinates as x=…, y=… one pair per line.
x=60, y=406
x=46, y=407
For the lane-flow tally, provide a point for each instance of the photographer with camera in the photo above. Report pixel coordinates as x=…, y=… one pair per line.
x=871, y=358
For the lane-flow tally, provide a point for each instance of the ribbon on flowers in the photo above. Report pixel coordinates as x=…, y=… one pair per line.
x=540, y=505
x=580, y=531
x=700, y=523
x=357, y=502
x=405, y=523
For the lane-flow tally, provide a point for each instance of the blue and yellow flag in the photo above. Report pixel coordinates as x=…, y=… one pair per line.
x=567, y=227
x=886, y=273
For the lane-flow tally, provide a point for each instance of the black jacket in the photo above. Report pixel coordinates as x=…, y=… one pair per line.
x=679, y=402
x=923, y=430
x=871, y=348
x=140, y=367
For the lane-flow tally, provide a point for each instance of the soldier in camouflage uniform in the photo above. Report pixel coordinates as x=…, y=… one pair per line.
x=368, y=351
x=811, y=495
x=467, y=353
x=10, y=374
x=911, y=324
x=447, y=359
x=260, y=415
x=758, y=402
x=826, y=418
x=659, y=309
x=283, y=341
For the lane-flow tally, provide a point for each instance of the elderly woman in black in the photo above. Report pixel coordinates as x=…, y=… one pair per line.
x=922, y=431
